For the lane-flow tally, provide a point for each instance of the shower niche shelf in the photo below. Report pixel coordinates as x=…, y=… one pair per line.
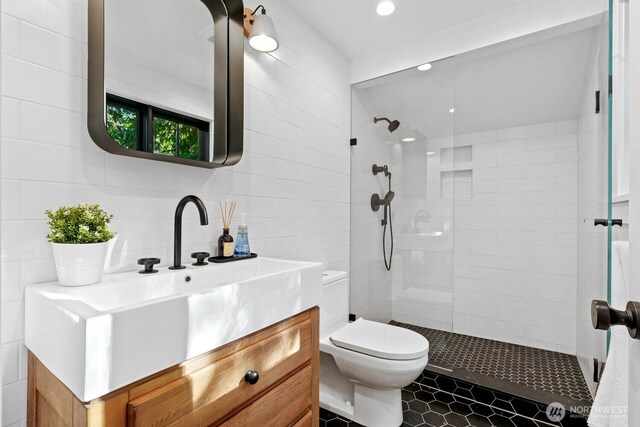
x=456, y=158
x=456, y=172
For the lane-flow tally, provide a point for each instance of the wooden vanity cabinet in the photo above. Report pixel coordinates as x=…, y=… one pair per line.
x=209, y=390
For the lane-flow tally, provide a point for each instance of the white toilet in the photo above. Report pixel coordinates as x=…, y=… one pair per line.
x=364, y=364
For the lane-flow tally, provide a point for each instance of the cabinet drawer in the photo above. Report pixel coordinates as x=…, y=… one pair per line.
x=305, y=421
x=207, y=395
x=281, y=406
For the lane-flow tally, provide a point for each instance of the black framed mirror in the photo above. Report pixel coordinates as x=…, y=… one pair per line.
x=166, y=79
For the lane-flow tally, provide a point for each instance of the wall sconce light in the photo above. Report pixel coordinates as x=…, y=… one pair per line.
x=260, y=30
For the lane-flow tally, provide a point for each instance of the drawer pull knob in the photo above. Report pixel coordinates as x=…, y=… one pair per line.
x=252, y=377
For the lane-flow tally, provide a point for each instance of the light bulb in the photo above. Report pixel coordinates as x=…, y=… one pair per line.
x=263, y=36
x=385, y=8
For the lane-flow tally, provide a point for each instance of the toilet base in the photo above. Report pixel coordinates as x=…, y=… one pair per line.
x=367, y=406
x=377, y=408
x=351, y=399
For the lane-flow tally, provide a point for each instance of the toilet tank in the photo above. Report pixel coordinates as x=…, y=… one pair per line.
x=334, y=308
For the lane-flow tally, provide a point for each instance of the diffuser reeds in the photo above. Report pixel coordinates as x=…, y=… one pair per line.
x=227, y=214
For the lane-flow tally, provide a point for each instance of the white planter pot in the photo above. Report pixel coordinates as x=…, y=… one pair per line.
x=79, y=264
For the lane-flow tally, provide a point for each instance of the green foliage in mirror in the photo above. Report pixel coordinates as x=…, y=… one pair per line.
x=175, y=139
x=164, y=136
x=122, y=125
x=188, y=142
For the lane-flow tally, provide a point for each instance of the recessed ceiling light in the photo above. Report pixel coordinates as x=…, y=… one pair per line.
x=453, y=110
x=424, y=67
x=408, y=139
x=385, y=8
x=430, y=153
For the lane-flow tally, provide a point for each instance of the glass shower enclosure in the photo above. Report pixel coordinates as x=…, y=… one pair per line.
x=499, y=167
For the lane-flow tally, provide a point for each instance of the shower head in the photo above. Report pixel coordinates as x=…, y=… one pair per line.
x=389, y=197
x=393, y=124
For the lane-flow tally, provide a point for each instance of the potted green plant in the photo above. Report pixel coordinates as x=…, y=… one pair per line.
x=80, y=237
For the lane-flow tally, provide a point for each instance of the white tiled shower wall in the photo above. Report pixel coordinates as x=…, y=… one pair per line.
x=498, y=259
x=515, y=238
x=423, y=216
x=293, y=180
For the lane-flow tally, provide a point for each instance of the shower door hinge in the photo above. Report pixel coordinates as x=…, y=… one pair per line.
x=610, y=85
x=606, y=222
x=597, y=102
x=354, y=141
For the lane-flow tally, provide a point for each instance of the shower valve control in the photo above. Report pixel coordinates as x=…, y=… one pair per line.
x=603, y=317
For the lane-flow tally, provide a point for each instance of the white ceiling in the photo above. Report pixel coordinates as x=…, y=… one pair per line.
x=355, y=29
x=529, y=80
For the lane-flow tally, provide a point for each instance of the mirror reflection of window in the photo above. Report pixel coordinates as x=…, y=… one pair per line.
x=175, y=139
x=122, y=125
x=141, y=127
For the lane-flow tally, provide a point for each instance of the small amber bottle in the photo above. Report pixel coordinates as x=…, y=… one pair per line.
x=225, y=244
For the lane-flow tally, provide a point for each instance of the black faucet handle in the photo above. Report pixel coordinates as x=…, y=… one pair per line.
x=148, y=265
x=200, y=258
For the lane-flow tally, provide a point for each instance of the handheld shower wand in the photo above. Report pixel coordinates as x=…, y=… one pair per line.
x=376, y=202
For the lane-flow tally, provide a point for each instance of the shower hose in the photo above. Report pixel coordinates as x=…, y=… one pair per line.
x=387, y=264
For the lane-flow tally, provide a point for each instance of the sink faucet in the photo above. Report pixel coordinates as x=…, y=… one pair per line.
x=177, y=227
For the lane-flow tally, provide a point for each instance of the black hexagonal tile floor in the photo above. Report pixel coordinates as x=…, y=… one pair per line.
x=412, y=418
x=456, y=420
x=452, y=410
x=533, y=368
x=418, y=406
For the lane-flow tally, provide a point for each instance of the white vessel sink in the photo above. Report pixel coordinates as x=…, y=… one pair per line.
x=101, y=337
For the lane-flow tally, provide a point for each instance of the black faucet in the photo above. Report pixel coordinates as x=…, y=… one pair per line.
x=177, y=227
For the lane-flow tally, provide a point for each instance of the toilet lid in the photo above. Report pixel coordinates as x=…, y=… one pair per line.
x=381, y=340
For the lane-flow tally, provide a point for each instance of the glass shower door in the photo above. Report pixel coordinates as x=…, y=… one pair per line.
x=419, y=155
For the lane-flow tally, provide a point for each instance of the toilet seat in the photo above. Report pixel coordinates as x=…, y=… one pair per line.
x=381, y=340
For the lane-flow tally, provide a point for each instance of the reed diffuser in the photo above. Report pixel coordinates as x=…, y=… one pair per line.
x=225, y=241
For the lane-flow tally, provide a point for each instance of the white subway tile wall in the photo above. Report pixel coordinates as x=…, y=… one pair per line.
x=515, y=249
x=293, y=180
x=486, y=244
